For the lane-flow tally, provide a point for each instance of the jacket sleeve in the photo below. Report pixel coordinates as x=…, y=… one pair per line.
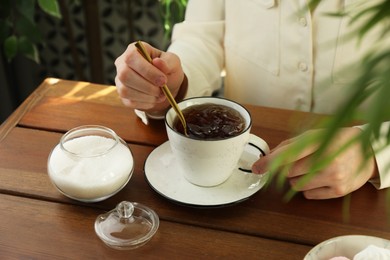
x=198, y=41
x=382, y=155
x=381, y=148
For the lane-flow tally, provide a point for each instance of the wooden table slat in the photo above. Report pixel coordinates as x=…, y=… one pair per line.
x=57, y=223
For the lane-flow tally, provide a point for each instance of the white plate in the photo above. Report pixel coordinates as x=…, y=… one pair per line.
x=164, y=177
x=347, y=246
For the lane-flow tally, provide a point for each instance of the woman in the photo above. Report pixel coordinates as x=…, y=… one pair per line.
x=282, y=54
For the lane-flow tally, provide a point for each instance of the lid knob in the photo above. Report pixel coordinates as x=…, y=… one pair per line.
x=125, y=209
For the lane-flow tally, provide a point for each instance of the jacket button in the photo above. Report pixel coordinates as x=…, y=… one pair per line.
x=303, y=21
x=302, y=66
x=268, y=3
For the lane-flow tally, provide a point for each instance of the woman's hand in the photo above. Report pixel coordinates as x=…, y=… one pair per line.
x=139, y=82
x=345, y=174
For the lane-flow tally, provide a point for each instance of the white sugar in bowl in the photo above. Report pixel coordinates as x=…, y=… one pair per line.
x=91, y=163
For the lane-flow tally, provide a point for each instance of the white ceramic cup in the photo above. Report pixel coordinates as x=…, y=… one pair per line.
x=210, y=162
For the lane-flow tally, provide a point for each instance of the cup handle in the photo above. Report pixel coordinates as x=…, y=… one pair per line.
x=257, y=143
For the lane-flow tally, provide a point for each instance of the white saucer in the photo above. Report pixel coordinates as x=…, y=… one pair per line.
x=164, y=177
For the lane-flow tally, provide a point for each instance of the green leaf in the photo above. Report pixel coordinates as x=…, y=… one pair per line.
x=376, y=14
x=27, y=28
x=28, y=49
x=172, y=12
x=50, y=7
x=313, y=4
x=11, y=47
x=26, y=8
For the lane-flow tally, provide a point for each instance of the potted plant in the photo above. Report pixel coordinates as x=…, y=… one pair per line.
x=18, y=30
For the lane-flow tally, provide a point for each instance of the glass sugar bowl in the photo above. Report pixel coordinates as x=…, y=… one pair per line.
x=91, y=163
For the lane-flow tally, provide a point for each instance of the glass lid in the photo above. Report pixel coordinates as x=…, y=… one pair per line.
x=128, y=226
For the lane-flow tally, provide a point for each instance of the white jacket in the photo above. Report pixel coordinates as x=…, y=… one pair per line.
x=275, y=53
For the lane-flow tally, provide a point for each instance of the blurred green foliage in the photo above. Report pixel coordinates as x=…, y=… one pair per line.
x=19, y=33
x=172, y=12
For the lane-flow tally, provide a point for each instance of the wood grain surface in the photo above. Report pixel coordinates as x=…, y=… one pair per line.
x=38, y=222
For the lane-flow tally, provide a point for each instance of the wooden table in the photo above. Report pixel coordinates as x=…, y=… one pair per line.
x=37, y=222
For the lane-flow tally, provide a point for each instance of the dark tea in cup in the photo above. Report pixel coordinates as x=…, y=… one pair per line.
x=210, y=121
